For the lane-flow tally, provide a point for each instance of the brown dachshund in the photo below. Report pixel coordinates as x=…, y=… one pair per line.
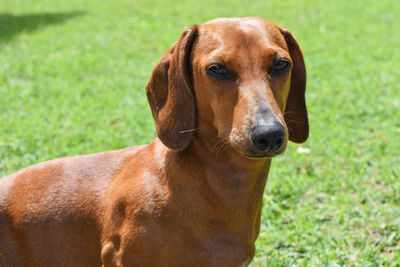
x=226, y=98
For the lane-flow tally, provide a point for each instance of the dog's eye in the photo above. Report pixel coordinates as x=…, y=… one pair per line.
x=280, y=67
x=218, y=71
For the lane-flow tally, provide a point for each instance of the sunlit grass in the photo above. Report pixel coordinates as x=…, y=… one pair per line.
x=72, y=79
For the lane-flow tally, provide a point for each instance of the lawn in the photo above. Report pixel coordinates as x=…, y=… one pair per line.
x=72, y=79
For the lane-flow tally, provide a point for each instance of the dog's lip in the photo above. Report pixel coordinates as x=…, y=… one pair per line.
x=251, y=154
x=261, y=155
x=255, y=156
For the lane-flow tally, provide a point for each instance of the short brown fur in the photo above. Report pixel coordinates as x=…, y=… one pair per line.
x=193, y=197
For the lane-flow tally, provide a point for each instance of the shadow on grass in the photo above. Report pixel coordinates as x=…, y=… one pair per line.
x=11, y=25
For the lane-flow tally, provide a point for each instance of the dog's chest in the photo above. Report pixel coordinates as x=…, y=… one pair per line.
x=226, y=249
x=179, y=248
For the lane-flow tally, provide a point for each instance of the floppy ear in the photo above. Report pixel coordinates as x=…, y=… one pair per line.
x=296, y=111
x=170, y=93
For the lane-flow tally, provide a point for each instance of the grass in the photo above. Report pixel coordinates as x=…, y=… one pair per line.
x=72, y=79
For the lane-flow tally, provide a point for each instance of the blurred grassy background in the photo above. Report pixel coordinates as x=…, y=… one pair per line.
x=72, y=79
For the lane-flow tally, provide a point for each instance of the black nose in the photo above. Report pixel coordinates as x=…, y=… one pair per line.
x=268, y=137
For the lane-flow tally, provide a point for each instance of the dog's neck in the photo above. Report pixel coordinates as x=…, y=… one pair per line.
x=233, y=186
x=234, y=178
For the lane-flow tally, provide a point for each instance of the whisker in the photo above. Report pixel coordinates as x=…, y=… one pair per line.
x=216, y=144
x=222, y=147
x=190, y=130
x=288, y=112
x=303, y=122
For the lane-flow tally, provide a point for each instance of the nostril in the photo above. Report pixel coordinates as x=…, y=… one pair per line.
x=279, y=142
x=262, y=144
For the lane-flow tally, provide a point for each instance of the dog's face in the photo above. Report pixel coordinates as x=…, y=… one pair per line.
x=241, y=79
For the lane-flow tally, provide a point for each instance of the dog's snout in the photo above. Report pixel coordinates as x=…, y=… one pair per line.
x=268, y=137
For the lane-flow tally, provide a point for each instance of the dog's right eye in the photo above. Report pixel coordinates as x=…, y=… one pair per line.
x=218, y=71
x=280, y=67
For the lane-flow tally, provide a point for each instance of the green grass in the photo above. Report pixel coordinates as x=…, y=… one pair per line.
x=72, y=79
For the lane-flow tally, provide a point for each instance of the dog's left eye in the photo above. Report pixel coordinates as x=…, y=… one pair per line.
x=280, y=66
x=218, y=71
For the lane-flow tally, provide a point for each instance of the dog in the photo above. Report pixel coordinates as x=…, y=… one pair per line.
x=225, y=98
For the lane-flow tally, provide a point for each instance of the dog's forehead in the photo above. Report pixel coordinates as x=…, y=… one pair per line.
x=241, y=31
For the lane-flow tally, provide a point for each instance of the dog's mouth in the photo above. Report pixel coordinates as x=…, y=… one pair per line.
x=263, y=154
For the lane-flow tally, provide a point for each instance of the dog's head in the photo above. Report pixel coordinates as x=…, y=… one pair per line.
x=240, y=79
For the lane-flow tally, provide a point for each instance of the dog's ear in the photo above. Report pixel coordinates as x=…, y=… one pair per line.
x=296, y=111
x=170, y=93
